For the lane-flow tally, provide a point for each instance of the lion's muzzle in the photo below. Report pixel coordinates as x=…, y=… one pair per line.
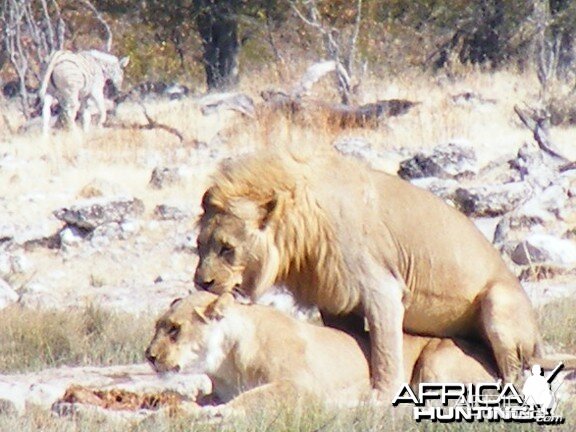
x=159, y=367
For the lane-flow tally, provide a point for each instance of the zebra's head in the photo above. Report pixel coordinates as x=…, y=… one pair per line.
x=112, y=67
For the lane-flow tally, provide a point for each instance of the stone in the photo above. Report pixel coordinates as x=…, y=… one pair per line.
x=360, y=148
x=7, y=295
x=90, y=214
x=442, y=188
x=490, y=200
x=71, y=236
x=99, y=188
x=545, y=249
x=165, y=212
x=164, y=177
x=239, y=102
x=547, y=211
x=453, y=161
x=104, y=234
x=12, y=397
x=5, y=264
x=46, y=388
x=357, y=147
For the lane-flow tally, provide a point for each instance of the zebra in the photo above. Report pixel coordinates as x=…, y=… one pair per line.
x=76, y=80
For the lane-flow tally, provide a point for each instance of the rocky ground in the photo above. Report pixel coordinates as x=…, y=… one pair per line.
x=104, y=224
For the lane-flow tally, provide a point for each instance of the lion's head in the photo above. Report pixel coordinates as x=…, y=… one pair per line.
x=262, y=227
x=182, y=338
x=235, y=247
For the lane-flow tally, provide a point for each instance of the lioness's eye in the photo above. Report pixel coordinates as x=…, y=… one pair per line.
x=173, y=332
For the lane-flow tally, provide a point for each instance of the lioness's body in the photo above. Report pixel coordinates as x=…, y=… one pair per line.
x=352, y=240
x=256, y=349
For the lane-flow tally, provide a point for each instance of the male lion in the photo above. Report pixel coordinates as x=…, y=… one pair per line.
x=271, y=356
x=361, y=243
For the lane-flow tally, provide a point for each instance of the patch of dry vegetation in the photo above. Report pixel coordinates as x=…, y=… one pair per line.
x=32, y=340
x=558, y=324
x=309, y=417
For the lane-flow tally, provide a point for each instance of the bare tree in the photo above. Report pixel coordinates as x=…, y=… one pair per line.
x=101, y=20
x=546, y=48
x=31, y=30
x=338, y=48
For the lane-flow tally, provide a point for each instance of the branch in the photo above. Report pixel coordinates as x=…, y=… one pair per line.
x=332, y=45
x=539, y=130
x=311, y=77
x=313, y=23
x=153, y=124
x=102, y=21
x=354, y=36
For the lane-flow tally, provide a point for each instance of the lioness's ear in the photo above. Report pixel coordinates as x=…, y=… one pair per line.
x=201, y=314
x=175, y=302
x=217, y=309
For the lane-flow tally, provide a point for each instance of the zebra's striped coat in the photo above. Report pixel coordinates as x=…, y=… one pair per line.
x=77, y=79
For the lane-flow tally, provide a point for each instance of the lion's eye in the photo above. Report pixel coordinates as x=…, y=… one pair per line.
x=173, y=332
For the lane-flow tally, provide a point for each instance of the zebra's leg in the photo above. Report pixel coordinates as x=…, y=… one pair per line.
x=87, y=115
x=70, y=107
x=101, y=104
x=46, y=113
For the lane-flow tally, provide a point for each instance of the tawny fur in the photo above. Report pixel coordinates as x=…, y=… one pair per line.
x=255, y=354
x=355, y=241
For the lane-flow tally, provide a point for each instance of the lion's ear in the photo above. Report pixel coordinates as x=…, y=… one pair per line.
x=209, y=203
x=217, y=309
x=268, y=211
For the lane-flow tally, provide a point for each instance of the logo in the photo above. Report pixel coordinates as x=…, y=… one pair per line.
x=493, y=402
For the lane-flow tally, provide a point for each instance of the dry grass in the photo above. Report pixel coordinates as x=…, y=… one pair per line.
x=32, y=340
x=309, y=418
x=35, y=340
x=558, y=324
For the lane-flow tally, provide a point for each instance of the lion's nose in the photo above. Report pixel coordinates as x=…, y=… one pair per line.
x=206, y=286
x=149, y=356
x=203, y=284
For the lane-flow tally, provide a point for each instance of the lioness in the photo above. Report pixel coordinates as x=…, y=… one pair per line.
x=266, y=353
x=357, y=242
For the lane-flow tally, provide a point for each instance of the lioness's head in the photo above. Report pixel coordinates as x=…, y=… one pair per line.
x=181, y=341
x=236, y=247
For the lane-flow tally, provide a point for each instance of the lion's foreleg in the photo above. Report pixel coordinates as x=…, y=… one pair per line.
x=384, y=311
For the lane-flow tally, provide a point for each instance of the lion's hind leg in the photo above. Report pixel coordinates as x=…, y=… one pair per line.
x=449, y=360
x=509, y=324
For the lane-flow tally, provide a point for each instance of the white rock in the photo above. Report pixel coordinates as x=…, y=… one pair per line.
x=70, y=236
x=130, y=227
x=545, y=249
x=14, y=264
x=46, y=387
x=5, y=265
x=7, y=295
x=21, y=264
x=14, y=394
x=45, y=394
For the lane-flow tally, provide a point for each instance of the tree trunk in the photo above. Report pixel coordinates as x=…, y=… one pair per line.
x=218, y=27
x=484, y=43
x=563, y=34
